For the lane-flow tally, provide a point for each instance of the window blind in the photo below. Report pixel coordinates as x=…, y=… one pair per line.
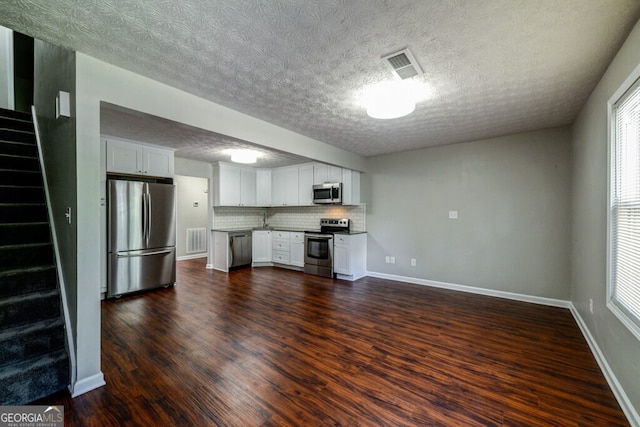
x=625, y=205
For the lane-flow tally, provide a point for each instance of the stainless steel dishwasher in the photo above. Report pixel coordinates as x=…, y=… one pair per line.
x=239, y=248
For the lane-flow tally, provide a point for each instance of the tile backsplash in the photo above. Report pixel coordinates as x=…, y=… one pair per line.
x=299, y=217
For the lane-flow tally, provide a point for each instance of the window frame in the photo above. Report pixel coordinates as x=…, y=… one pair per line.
x=632, y=323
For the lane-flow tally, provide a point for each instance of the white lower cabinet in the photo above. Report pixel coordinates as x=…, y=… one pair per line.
x=350, y=256
x=221, y=250
x=281, y=247
x=296, y=251
x=261, y=246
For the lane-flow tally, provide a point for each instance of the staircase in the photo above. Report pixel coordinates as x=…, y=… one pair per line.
x=34, y=361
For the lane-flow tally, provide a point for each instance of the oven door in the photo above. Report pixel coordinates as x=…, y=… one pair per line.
x=318, y=254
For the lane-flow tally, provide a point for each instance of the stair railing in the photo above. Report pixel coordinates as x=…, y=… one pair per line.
x=65, y=308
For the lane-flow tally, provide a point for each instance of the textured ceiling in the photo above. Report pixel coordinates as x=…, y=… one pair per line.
x=496, y=67
x=189, y=142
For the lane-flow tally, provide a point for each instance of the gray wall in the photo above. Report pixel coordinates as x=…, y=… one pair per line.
x=190, y=189
x=512, y=196
x=54, y=70
x=589, y=227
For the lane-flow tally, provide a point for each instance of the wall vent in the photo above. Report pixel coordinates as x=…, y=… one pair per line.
x=196, y=240
x=403, y=64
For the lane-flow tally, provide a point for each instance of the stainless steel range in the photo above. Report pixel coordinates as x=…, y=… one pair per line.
x=318, y=254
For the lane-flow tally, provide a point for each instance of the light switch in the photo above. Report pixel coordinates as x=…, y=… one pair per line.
x=453, y=214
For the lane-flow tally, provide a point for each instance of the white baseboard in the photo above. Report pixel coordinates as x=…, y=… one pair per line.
x=619, y=393
x=471, y=289
x=614, y=384
x=194, y=256
x=88, y=384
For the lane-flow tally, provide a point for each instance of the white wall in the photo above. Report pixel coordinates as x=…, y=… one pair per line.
x=589, y=227
x=512, y=198
x=6, y=69
x=190, y=191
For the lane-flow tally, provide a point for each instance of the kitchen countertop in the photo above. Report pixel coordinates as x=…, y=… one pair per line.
x=290, y=229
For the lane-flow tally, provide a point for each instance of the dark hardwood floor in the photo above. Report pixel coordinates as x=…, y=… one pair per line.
x=272, y=347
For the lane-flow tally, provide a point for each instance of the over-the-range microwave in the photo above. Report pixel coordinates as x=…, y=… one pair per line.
x=328, y=193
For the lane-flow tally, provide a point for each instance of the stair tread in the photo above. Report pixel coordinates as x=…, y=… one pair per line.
x=33, y=363
x=33, y=269
x=25, y=245
x=22, y=204
x=20, y=186
x=29, y=328
x=18, y=130
x=16, y=119
x=15, y=114
x=22, y=224
x=17, y=156
x=28, y=297
x=10, y=141
x=19, y=170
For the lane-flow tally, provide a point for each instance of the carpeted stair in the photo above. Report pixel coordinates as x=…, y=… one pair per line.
x=34, y=360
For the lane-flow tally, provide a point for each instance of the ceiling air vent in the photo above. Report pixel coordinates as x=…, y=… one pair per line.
x=403, y=64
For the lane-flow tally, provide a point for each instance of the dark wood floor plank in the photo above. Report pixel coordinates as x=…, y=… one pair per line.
x=272, y=347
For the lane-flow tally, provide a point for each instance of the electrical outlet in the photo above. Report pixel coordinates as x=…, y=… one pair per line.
x=413, y=262
x=392, y=259
x=590, y=305
x=453, y=214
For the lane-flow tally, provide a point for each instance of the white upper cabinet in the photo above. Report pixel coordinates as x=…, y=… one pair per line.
x=247, y=187
x=350, y=187
x=285, y=186
x=263, y=187
x=305, y=185
x=137, y=159
x=335, y=174
x=236, y=186
x=326, y=173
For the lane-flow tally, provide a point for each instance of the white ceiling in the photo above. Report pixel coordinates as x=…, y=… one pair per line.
x=496, y=67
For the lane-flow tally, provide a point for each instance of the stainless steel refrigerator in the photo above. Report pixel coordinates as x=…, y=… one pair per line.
x=142, y=236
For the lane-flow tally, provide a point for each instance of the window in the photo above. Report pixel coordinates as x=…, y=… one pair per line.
x=624, y=208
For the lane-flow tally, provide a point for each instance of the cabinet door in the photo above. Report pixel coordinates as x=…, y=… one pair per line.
x=291, y=183
x=263, y=187
x=335, y=174
x=261, y=246
x=297, y=253
x=278, y=193
x=247, y=187
x=305, y=185
x=229, y=185
x=320, y=173
x=157, y=162
x=341, y=259
x=124, y=157
x=350, y=187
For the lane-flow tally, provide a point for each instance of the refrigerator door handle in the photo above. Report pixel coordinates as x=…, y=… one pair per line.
x=144, y=216
x=132, y=255
x=148, y=217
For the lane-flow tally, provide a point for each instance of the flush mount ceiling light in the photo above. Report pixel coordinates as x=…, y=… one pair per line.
x=244, y=156
x=394, y=99
x=397, y=98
